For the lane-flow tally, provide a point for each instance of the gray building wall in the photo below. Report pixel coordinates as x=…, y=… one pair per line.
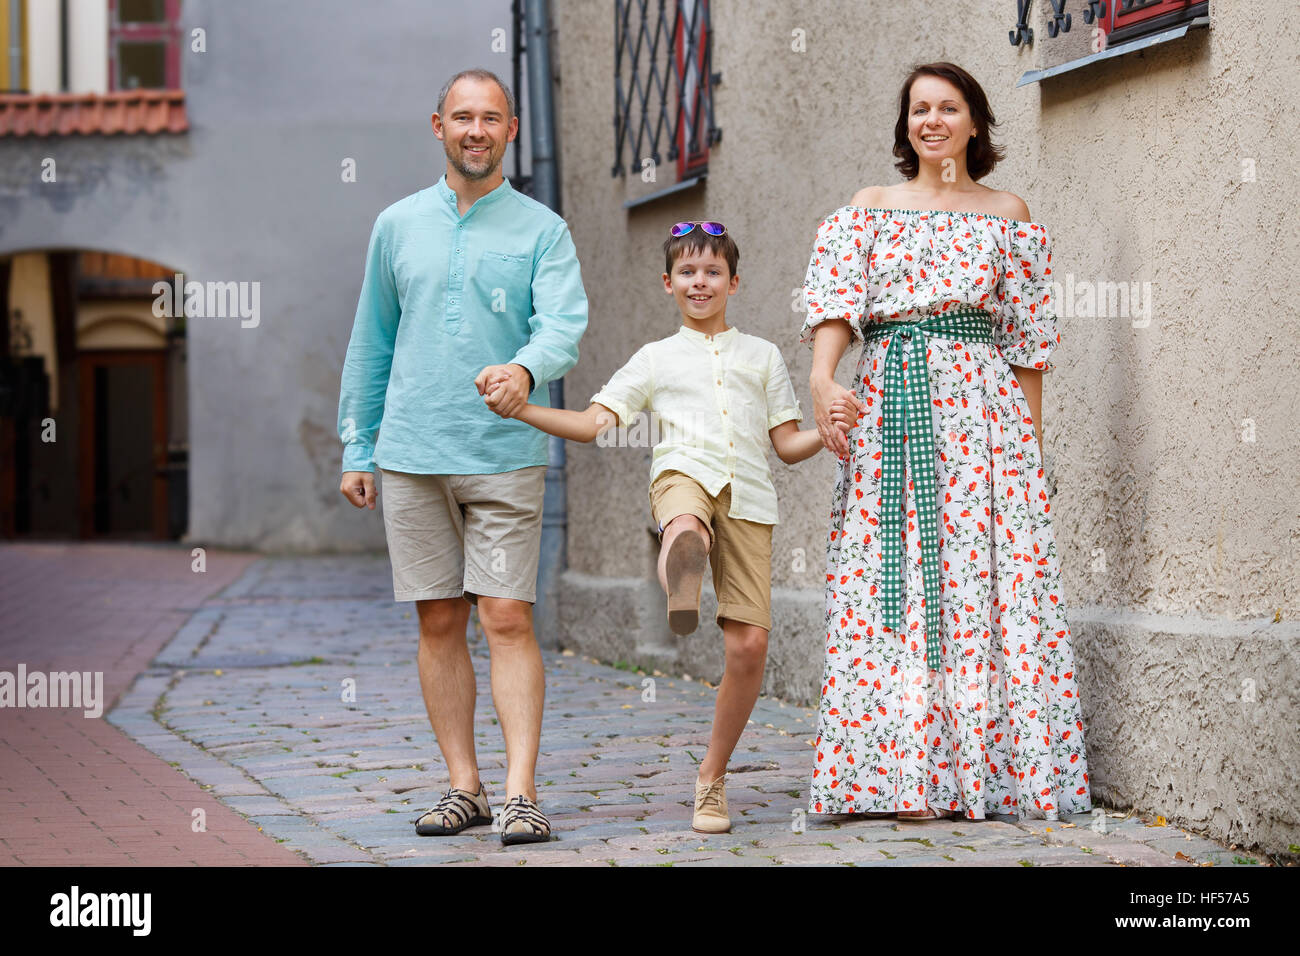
x=1186, y=635
x=254, y=192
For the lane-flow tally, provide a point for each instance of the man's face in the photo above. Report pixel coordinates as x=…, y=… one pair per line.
x=474, y=128
x=700, y=283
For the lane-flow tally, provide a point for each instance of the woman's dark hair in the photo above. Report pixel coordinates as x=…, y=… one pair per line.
x=981, y=153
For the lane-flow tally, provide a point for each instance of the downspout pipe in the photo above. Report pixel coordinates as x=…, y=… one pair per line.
x=546, y=190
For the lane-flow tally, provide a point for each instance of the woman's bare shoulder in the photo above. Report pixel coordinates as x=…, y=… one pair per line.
x=1008, y=204
x=868, y=197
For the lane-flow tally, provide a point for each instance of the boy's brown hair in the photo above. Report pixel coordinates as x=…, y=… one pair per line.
x=697, y=240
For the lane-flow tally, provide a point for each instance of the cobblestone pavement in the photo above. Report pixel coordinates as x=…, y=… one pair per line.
x=293, y=697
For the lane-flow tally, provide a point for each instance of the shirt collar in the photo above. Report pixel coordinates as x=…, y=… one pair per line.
x=449, y=195
x=700, y=338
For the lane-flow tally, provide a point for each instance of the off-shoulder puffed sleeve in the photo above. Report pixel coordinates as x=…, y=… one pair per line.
x=1026, y=332
x=836, y=282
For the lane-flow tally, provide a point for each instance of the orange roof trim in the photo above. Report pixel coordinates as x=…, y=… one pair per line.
x=86, y=114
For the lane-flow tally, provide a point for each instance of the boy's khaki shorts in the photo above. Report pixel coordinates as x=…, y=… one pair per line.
x=468, y=536
x=741, y=555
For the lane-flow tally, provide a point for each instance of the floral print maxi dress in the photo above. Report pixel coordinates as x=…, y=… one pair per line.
x=999, y=729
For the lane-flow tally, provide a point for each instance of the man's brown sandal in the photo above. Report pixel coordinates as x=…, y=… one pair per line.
x=523, y=822
x=687, y=558
x=456, y=811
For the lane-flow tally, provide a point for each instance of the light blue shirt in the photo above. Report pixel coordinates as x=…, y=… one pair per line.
x=445, y=295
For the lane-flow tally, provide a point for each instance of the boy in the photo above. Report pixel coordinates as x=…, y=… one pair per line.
x=719, y=396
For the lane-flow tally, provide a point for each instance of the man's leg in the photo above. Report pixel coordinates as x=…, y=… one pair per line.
x=447, y=681
x=425, y=531
x=503, y=533
x=518, y=687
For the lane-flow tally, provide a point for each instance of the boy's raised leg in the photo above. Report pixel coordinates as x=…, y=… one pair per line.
x=683, y=558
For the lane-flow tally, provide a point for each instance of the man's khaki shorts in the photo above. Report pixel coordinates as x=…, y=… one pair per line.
x=464, y=535
x=741, y=556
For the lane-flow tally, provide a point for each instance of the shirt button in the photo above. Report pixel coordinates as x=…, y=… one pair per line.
x=719, y=381
x=715, y=351
x=724, y=411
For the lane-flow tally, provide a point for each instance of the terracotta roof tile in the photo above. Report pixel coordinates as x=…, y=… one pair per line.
x=72, y=114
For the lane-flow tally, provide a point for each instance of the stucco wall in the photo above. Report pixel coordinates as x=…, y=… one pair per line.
x=1179, y=537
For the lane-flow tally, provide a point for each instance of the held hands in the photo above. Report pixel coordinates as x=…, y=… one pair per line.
x=504, y=388
x=845, y=414
x=836, y=410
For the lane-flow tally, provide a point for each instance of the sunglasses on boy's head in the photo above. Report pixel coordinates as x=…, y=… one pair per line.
x=712, y=228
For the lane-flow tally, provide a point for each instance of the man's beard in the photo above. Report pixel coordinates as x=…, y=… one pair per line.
x=471, y=172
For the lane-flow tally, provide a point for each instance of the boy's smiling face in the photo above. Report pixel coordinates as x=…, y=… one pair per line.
x=700, y=283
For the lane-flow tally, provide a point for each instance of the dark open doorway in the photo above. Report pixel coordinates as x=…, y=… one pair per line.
x=93, y=418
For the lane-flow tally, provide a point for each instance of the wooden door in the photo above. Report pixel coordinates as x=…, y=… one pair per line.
x=123, y=443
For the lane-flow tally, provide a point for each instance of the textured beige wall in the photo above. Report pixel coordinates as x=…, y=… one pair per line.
x=1172, y=445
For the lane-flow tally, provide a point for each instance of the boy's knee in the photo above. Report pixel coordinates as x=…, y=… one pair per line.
x=749, y=644
x=689, y=522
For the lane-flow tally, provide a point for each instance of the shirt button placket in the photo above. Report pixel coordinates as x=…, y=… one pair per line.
x=456, y=281
x=726, y=425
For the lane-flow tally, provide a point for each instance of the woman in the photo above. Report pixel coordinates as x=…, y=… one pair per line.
x=949, y=686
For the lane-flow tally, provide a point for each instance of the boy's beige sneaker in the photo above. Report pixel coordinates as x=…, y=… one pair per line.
x=684, y=568
x=711, y=807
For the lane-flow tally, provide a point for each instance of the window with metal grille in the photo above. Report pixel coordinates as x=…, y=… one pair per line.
x=1105, y=29
x=1130, y=19
x=663, y=87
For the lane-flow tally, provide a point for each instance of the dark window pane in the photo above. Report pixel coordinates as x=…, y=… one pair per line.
x=141, y=11
x=141, y=66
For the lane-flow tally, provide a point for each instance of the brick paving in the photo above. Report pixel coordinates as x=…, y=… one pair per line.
x=292, y=697
x=75, y=790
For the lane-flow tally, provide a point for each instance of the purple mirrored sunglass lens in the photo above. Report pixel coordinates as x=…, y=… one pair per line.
x=712, y=228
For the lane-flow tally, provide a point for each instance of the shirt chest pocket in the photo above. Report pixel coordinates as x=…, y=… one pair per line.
x=504, y=280
x=747, y=396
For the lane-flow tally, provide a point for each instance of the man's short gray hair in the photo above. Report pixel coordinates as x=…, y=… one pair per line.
x=478, y=74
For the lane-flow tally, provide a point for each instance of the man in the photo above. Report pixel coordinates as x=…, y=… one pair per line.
x=468, y=285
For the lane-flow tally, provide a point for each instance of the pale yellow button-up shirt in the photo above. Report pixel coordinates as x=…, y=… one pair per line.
x=712, y=400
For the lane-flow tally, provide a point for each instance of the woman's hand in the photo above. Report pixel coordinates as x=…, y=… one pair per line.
x=829, y=398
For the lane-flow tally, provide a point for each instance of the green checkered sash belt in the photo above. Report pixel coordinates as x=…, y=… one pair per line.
x=909, y=431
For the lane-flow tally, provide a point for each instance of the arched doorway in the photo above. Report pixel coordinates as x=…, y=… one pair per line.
x=93, y=438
